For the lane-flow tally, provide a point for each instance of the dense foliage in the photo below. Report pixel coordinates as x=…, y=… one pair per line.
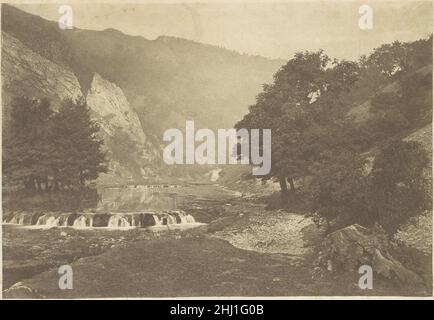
x=393, y=190
x=48, y=150
x=327, y=116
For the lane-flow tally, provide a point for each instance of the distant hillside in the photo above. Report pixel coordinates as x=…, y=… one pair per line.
x=166, y=81
x=136, y=88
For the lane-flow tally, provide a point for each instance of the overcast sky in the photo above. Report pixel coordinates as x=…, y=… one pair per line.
x=275, y=30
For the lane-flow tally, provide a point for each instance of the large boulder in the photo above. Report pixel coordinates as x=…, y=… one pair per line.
x=354, y=246
x=21, y=291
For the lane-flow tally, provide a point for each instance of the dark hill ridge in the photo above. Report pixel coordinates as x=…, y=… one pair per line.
x=167, y=80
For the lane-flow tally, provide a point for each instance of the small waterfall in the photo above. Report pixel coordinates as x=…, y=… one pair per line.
x=171, y=219
x=42, y=220
x=19, y=218
x=82, y=222
x=186, y=218
x=62, y=221
x=136, y=221
x=100, y=220
x=157, y=220
x=190, y=218
x=118, y=221
x=51, y=222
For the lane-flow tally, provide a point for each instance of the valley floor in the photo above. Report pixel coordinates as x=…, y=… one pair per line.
x=244, y=250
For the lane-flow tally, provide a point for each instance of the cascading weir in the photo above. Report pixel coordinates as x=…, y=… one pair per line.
x=101, y=220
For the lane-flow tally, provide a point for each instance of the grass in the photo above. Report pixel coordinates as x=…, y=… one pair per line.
x=141, y=263
x=192, y=265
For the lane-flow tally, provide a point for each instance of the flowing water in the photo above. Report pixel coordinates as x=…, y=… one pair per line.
x=122, y=220
x=118, y=208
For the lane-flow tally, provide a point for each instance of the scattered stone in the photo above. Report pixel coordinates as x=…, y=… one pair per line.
x=271, y=231
x=353, y=246
x=21, y=291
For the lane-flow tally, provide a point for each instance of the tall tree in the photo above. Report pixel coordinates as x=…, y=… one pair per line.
x=44, y=149
x=400, y=57
x=79, y=155
x=300, y=108
x=27, y=148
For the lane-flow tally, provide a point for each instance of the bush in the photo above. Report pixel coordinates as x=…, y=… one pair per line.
x=340, y=191
x=398, y=189
x=390, y=194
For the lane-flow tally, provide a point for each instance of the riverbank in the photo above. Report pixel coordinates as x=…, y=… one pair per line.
x=244, y=250
x=186, y=265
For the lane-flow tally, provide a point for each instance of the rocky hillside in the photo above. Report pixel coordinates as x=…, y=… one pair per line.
x=167, y=80
x=25, y=72
x=136, y=88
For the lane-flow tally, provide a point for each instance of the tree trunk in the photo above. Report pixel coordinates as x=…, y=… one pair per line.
x=283, y=185
x=291, y=183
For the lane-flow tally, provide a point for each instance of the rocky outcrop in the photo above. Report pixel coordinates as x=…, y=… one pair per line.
x=132, y=154
x=112, y=110
x=25, y=72
x=22, y=291
x=167, y=80
x=351, y=247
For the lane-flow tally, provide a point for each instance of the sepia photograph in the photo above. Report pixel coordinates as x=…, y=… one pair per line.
x=218, y=150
